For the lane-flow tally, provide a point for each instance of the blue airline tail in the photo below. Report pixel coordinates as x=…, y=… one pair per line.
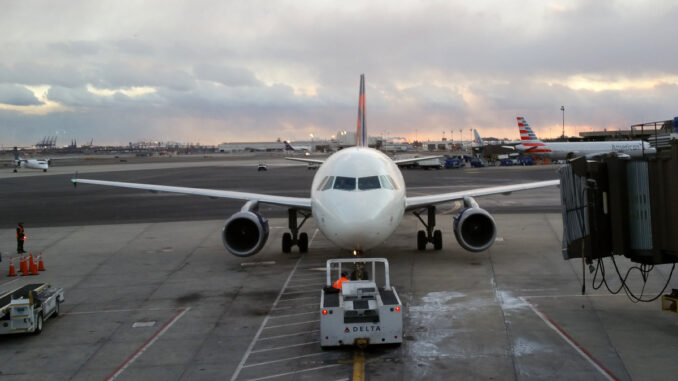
x=361, y=132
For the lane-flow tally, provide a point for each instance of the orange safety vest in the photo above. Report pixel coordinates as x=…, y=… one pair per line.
x=339, y=281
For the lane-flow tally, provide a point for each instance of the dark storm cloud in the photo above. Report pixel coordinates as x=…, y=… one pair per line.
x=18, y=96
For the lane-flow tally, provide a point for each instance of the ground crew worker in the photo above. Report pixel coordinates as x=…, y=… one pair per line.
x=20, y=238
x=339, y=281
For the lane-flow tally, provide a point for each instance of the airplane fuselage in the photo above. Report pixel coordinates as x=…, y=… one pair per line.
x=31, y=164
x=568, y=150
x=358, y=198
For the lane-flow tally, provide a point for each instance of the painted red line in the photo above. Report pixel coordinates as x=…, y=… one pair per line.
x=143, y=347
x=572, y=341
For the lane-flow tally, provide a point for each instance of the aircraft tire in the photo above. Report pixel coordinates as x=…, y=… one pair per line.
x=421, y=240
x=438, y=240
x=286, y=242
x=303, y=242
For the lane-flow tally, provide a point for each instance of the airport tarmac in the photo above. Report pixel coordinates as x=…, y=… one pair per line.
x=152, y=294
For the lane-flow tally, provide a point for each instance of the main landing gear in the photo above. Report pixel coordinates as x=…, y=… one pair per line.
x=294, y=237
x=431, y=234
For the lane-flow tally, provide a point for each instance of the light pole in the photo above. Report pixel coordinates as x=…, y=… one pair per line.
x=562, y=108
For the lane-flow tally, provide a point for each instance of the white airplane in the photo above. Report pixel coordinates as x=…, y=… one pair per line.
x=530, y=144
x=20, y=162
x=358, y=199
x=290, y=147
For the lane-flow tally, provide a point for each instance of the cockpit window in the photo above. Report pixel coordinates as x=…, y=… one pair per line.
x=370, y=182
x=386, y=182
x=326, y=183
x=344, y=183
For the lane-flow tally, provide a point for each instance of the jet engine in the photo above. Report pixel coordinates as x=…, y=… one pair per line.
x=474, y=227
x=245, y=233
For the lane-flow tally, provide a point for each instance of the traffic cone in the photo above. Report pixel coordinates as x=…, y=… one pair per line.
x=41, y=264
x=23, y=265
x=12, y=272
x=30, y=261
x=34, y=268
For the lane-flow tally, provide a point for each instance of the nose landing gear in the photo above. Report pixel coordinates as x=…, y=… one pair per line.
x=294, y=237
x=431, y=234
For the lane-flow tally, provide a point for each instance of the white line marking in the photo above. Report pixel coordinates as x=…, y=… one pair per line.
x=10, y=282
x=303, y=297
x=116, y=311
x=280, y=360
x=299, y=306
x=147, y=345
x=582, y=352
x=285, y=347
x=289, y=315
x=303, y=292
x=295, y=372
x=290, y=324
x=263, y=323
x=288, y=335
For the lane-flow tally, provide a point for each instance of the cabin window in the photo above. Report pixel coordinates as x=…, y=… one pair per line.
x=370, y=182
x=344, y=183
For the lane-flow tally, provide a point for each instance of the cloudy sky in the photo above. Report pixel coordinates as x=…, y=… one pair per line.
x=215, y=71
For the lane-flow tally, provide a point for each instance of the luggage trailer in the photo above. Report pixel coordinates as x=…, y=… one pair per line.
x=361, y=313
x=25, y=309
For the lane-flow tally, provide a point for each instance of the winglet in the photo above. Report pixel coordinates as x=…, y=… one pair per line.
x=361, y=132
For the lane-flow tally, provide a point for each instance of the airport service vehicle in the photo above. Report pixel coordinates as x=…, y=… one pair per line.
x=20, y=162
x=362, y=312
x=357, y=198
x=430, y=164
x=262, y=167
x=531, y=145
x=25, y=309
x=453, y=162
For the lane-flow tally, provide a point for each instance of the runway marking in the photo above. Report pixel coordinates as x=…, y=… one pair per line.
x=281, y=360
x=286, y=346
x=290, y=324
x=305, y=297
x=116, y=311
x=294, y=372
x=290, y=315
x=10, y=282
x=147, y=344
x=359, y=365
x=561, y=332
x=288, y=335
x=299, y=306
x=241, y=365
x=302, y=292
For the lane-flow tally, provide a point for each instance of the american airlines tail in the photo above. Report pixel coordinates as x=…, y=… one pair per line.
x=477, y=139
x=526, y=132
x=361, y=132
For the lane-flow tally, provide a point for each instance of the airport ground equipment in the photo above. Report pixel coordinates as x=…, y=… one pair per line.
x=362, y=312
x=25, y=309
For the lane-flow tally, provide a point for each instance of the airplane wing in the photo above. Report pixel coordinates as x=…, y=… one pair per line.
x=295, y=202
x=314, y=161
x=421, y=201
x=416, y=159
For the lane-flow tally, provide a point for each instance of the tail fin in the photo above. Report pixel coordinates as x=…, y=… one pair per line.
x=288, y=147
x=16, y=153
x=361, y=132
x=526, y=132
x=476, y=138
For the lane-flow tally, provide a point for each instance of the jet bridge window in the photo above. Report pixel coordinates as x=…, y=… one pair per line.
x=367, y=183
x=344, y=183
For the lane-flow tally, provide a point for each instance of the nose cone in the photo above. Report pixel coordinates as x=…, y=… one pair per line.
x=358, y=220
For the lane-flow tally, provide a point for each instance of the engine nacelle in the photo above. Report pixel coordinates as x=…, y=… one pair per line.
x=245, y=233
x=475, y=229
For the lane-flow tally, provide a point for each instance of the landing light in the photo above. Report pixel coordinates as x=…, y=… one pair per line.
x=324, y=312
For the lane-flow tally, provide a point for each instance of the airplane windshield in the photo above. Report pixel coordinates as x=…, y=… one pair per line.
x=370, y=182
x=344, y=183
x=387, y=182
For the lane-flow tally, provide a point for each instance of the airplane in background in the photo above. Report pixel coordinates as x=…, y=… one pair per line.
x=530, y=144
x=290, y=147
x=478, y=142
x=358, y=199
x=20, y=162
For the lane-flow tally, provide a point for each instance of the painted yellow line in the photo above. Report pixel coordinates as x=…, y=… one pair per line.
x=358, y=365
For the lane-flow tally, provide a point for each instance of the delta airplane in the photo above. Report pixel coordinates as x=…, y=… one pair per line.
x=358, y=199
x=530, y=144
x=20, y=162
